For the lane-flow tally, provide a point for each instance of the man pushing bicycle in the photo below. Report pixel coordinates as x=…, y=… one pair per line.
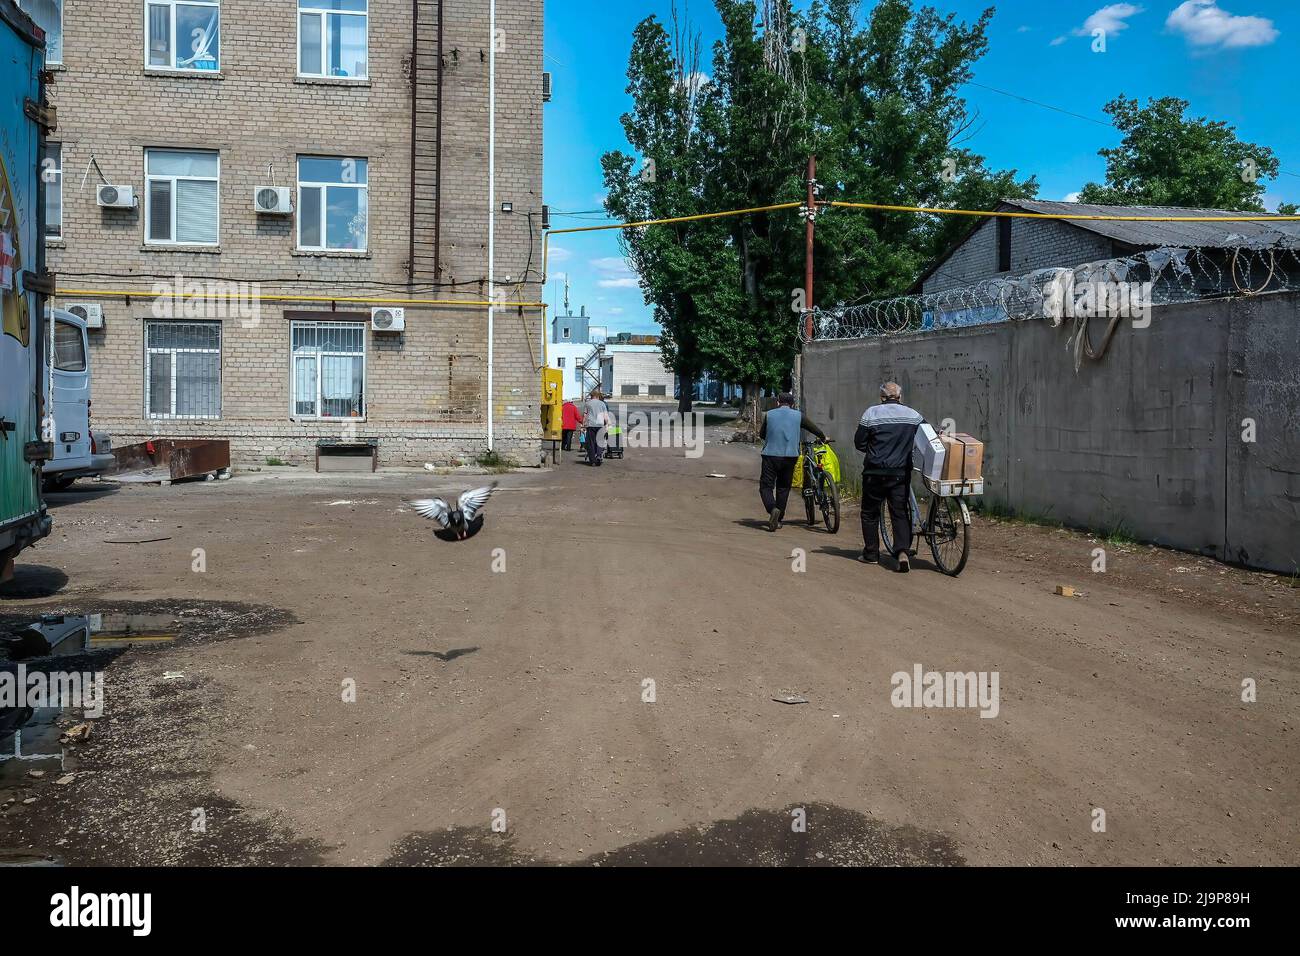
x=885, y=437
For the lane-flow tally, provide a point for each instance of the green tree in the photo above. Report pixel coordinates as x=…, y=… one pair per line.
x=877, y=100
x=685, y=269
x=1169, y=159
x=878, y=103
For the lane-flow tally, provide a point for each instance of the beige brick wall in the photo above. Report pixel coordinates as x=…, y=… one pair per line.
x=426, y=388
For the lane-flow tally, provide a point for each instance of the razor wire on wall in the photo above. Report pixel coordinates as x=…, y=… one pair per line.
x=1112, y=288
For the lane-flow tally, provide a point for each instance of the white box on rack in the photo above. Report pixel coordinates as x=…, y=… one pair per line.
x=929, y=453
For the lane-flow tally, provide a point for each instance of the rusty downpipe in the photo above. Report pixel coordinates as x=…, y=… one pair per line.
x=437, y=169
x=415, y=72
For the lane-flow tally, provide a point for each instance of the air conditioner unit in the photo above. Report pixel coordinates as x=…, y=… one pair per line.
x=272, y=200
x=546, y=87
x=116, y=197
x=386, y=319
x=91, y=312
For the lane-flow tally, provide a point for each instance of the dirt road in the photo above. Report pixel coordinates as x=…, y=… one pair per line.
x=516, y=693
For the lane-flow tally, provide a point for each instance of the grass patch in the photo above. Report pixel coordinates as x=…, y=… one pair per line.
x=494, y=463
x=850, y=486
x=276, y=462
x=1118, y=536
x=998, y=511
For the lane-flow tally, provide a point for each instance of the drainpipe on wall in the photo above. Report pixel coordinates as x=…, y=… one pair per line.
x=437, y=168
x=415, y=73
x=492, y=210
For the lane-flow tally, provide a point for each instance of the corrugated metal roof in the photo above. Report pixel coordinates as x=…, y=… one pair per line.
x=1181, y=234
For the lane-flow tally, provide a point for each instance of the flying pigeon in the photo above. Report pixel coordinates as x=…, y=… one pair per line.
x=459, y=523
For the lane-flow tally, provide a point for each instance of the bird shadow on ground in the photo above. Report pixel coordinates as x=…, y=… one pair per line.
x=443, y=656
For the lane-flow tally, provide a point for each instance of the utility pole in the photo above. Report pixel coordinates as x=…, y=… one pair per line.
x=810, y=219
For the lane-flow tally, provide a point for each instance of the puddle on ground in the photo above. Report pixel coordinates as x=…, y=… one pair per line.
x=81, y=640
x=73, y=635
x=121, y=624
x=835, y=836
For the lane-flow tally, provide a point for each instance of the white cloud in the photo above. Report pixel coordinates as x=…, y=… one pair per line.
x=694, y=82
x=1110, y=19
x=1071, y=197
x=615, y=273
x=616, y=310
x=1205, y=23
x=560, y=254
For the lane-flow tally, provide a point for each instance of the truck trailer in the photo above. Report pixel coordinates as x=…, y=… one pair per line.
x=25, y=118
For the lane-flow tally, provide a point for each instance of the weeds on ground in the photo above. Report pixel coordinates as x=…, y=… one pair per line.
x=275, y=462
x=1118, y=536
x=494, y=463
x=998, y=511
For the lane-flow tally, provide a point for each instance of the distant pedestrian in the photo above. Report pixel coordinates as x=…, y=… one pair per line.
x=569, y=424
x=596, y=418
x=782, y=428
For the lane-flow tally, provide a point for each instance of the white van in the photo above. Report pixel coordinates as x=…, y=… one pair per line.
x=78, y=452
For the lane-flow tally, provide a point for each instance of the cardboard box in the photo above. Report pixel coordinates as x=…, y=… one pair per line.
x=928, y=453
x=963, y=457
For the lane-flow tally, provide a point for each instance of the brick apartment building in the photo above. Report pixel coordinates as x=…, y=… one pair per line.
x=195, y=105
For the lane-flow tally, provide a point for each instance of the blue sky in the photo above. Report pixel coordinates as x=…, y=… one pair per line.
x=1234, y=60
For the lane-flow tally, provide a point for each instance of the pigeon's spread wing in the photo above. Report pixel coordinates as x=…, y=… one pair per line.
x=434, y=508
x=472, y=502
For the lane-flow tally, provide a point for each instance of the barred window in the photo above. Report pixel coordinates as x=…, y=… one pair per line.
x=328, y=368
x=182, y=369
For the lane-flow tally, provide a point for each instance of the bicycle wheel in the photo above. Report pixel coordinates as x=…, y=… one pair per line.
x=949, y=535
x=809, y=499
x=830, y=502
x=887, y=525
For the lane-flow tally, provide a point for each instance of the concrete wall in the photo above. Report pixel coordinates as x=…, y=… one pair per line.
x=1150, y=437
x=257, y=112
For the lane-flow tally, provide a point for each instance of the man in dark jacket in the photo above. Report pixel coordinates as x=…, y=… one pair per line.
x=885, y=437
x=782, y=429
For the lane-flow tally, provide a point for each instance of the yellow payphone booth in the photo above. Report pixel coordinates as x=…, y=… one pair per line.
x=553, y=408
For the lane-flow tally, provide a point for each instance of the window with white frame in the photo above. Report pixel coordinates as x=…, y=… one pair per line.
x=182, y=190
x=559, y=361
x=332, y=38
x=182, y=369
x=48, y=15
x=182, y=35
x=333, y=203
x=328, y=369
x=52, y=181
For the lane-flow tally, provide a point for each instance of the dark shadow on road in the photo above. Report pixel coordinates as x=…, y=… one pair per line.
x=79, y=493
x=833, y=836
x=34, y=581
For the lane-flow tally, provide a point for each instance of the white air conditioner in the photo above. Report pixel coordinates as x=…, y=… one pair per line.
x=116, y=197
x=91, y=312
x=385, y=319
x=272, y=200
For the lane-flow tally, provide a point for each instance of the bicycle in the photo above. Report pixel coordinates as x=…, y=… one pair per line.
x=946, y=528
x=820, y=492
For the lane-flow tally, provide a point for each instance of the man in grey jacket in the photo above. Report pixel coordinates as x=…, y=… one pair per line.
x=782, y=428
